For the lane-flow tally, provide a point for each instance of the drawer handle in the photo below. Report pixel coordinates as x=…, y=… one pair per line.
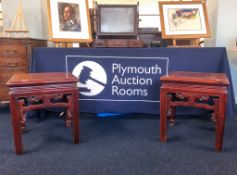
x=11, y=52
x=12, y=64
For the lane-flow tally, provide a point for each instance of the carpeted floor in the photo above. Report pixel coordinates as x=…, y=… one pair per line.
x=119, y=145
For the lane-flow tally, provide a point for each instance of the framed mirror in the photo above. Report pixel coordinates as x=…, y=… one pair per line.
x=117, y=20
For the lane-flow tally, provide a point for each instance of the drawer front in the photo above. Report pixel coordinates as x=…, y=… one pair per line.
x=135, y=43
x=99, y=43
x=117, y=43
x=13, y=62
x=6, y=74
x=4, y=93
x=12, y=50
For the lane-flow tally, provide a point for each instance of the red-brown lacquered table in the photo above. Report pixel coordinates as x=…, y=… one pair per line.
x=194, y=89
x=30, y=91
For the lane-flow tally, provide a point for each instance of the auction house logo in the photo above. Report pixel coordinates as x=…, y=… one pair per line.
x=92, y=78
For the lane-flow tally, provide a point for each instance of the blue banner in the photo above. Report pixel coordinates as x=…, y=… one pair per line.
x=118, y=78
x=126, y=80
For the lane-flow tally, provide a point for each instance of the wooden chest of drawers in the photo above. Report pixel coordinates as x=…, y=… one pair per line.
x=15, y=56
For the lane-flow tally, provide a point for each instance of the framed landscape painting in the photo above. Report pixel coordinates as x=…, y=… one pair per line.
x=69, y=21
x=184, y=19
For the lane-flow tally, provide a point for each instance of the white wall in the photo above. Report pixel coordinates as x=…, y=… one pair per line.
x=227, y=34
x=44, y=14
x=212, y=16
x=226, y=23
x=31, y=12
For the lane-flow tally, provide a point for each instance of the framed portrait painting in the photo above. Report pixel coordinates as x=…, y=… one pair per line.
x=184, y=19
x=69, y=21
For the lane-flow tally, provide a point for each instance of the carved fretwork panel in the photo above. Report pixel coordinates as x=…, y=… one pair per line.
x=44, y=99
x=170, y=110
x=50, y=100
x=214, y=114
x=58, y=98
x=69, y=111
x=181, y=97
x=192, y=99
x=33, y=100
x=21, y=103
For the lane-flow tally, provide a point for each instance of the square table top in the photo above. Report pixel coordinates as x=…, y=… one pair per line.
x=46, y=78
x=206, y=78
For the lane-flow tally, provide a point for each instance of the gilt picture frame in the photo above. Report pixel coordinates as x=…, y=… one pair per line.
x=69, y=21
x=184, y=19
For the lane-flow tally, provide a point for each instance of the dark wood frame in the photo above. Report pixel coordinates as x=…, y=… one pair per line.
x=98, y=19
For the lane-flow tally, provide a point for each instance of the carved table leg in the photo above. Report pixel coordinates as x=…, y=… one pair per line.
x=16, y=126
x=220, y=123
x=75, y=117
x=163, y=115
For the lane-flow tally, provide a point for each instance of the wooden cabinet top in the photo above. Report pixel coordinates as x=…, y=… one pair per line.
x=28, y=41
x=14, y=38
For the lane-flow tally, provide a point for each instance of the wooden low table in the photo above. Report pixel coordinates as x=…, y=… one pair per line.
x=194, y=89
x=30, y=91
